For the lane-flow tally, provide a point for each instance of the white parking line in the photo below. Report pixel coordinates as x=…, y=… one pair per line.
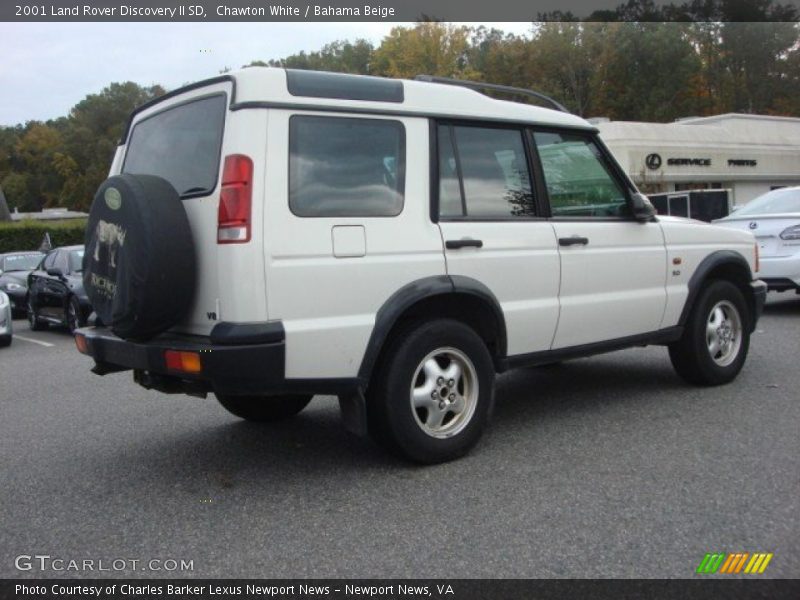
x=24, y=339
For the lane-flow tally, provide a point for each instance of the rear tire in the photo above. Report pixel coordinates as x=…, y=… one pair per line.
x=432, y=392
x=716, y=338
x=73, y=315
x=264, y=408
x=33, y=320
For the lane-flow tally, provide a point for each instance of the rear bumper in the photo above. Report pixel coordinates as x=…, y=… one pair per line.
x=781, y=273
x=225, y=368
x=5, y=321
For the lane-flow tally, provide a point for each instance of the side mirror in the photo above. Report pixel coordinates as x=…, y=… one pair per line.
x=55, y=272
x=643, y=210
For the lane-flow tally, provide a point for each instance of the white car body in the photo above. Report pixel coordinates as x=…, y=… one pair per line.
x=334, y=288
x=778, y=237
x=6, y=321
x=621, y=286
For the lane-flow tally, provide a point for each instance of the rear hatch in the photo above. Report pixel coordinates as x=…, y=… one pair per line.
x=187, y=138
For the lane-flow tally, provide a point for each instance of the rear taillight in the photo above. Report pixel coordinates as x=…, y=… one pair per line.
x=80, y=342
x=235, y=200
x=187, y=362
x=791, y=233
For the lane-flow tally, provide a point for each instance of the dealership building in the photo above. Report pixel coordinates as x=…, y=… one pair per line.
x=747, y=154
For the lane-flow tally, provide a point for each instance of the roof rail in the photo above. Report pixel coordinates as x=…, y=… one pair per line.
x=481, y=85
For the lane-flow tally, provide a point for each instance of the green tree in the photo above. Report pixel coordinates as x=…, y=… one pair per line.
x=645, y=72
x=339, y=56
x=429, y=47
x=91, y=135
x=36, y=150
x=560, y=61
x=757, y=58
x=17, y=189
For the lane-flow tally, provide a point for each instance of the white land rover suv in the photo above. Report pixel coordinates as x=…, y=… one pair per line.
x=272, y=234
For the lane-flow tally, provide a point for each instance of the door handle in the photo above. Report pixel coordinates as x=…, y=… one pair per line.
x=463, y=243
x=573, y=241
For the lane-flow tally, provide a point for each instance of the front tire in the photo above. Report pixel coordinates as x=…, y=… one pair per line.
x=432, y=392
x=5, y=341
x=716, y=339
x=264, y=408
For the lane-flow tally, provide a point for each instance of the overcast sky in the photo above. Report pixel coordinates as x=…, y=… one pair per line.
x=47, y=68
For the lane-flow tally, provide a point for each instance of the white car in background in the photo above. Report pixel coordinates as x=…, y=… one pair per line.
x=5, y=320
x=774, y=219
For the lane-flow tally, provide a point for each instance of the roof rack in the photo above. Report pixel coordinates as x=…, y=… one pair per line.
x=481, y=85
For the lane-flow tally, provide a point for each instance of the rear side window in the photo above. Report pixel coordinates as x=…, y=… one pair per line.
x=483, y=173
x=181, y=144
x=343, y=167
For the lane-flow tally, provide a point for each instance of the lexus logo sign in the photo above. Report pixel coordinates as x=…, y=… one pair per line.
x=753, y=225
x=653, y=161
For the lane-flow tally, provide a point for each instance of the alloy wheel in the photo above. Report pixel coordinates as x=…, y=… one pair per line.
x=444, y=392
x=724, y=333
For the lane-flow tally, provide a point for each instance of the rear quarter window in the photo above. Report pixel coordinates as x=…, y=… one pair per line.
x=346, y=167
x=181, y=144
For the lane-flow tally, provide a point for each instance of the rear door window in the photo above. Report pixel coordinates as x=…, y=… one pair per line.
x=483, y=173
x=181, y=144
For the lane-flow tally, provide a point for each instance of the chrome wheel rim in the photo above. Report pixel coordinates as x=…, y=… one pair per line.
x=724, y=333
x=31, y=314
x=444, y=392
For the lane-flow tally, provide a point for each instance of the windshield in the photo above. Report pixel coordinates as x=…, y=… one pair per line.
x=20, y=262
x=76, y=261
x=774, y=202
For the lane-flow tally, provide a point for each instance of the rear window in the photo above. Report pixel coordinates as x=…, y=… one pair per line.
x=181, y=144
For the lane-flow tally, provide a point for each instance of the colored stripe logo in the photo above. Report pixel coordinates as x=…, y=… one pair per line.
x=737, y=562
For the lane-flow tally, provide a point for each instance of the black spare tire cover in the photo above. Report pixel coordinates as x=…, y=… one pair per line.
x=139, y=261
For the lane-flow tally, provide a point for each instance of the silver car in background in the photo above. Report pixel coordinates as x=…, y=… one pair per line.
x=5, y=320
x=774, y=218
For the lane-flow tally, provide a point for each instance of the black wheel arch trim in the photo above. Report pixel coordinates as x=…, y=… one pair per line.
x=421, y=289
x=701, y=273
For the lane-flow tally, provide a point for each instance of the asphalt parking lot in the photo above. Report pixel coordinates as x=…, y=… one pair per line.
x=602, y=467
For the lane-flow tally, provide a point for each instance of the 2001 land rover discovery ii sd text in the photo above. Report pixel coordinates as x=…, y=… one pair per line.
x=273, y=234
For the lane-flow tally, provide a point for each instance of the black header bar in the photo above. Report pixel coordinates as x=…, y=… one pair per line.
x=476, y=11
